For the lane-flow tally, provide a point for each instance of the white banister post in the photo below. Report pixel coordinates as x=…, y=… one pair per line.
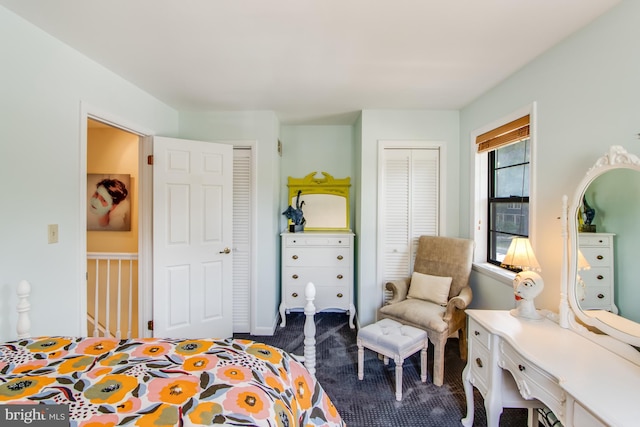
x=310, y=329
x=24, y=323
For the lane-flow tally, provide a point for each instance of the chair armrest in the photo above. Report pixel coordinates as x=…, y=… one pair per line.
x=459, y=302
x=400, y=288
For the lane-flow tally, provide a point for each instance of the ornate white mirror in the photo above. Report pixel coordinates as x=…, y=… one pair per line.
x=603, y=293
x=324, y=200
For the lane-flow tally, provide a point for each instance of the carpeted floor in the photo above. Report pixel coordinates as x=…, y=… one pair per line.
x=371, y=402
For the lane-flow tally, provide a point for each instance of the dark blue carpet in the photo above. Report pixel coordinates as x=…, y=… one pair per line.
x=371, y=402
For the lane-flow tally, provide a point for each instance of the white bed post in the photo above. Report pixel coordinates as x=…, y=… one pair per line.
x=310, y=329
x=24, y=323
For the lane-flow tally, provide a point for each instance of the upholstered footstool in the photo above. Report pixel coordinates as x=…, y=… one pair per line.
x=393, y=340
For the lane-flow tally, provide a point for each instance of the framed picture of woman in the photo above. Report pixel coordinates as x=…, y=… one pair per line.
x=109, y=206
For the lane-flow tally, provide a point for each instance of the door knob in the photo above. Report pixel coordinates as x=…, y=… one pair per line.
x=225, y=251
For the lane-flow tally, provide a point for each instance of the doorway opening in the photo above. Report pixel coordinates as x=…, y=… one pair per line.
x=112, y=231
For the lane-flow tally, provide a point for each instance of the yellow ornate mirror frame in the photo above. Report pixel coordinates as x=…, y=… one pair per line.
x=326, y=201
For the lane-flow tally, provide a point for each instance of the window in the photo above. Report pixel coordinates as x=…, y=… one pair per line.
x=504, y=169
x=508, y=204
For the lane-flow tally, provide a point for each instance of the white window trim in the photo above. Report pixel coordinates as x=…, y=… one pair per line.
x=479, y=195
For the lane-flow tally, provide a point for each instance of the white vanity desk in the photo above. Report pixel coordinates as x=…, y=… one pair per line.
x=583, y=383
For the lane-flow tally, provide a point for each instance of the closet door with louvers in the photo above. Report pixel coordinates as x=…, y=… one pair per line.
x=409, y=208
x=242, y=232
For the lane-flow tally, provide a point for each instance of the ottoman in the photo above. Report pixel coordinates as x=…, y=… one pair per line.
x=393, y=340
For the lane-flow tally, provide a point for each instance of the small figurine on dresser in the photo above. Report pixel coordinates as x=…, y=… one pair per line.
x=586, y=217
x=296, y=215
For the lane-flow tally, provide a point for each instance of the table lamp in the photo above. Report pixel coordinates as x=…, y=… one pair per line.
x=527, y=284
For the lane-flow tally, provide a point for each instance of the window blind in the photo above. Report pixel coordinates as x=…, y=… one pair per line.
x=506, y=134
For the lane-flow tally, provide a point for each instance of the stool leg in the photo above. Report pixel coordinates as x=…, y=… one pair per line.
x=423, y=364
x=399, y=363
x=360, y=360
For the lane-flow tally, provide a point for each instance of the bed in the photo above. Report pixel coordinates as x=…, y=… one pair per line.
x=157, y=382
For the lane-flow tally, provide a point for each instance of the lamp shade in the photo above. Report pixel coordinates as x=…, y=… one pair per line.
x=520, y=255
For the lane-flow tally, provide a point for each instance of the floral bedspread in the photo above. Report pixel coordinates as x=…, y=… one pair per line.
x=164, y=382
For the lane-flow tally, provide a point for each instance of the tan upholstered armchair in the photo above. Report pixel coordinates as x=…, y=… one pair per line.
x=431, y=301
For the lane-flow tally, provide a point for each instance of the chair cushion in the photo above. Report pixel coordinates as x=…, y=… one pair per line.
x=429, y=288
x=419, y=313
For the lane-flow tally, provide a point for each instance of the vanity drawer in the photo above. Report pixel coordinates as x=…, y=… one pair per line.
x=478, y=333
x=479, y=362
x=532, y=381
x=317, y=256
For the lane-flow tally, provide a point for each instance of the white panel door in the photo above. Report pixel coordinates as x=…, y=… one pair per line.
x=192, y=229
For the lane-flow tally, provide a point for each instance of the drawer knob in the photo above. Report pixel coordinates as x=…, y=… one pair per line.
x=600, y=257
x=340, y=257
x=339, y=276
x=479, y=362
x=521, y=368
x=339, y=295
x=295, y=257
x=600, y=296
x=295, y=295
x=600, y=277
x=295, y=276
x=476, y=333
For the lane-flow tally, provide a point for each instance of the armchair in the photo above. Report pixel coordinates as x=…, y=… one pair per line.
x=437, y=260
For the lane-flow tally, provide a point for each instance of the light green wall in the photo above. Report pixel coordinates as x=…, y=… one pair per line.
x=263, y=128
x=43, y=84
x=586, y=89
x=376, y=125
x=306, y=149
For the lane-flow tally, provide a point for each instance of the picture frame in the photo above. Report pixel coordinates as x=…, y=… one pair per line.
x=108, y=202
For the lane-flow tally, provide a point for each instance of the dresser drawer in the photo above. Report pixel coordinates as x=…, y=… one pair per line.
x=317, y=257
x=597, y=257
x=316, y=241
x=532, y=381
x=594, y=240
x=327, y=297
x=321, y=277
x=478, y=333
x=596, y=297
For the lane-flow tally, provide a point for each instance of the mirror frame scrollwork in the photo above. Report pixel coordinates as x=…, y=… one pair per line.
x=616, y=158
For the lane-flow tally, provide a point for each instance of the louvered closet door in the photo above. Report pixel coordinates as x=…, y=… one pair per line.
x=410, y=207
x=242, y=240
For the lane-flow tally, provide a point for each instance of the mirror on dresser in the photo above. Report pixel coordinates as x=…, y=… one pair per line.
x=600, y=291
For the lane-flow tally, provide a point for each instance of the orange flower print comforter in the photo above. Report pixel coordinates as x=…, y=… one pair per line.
x=164, y=382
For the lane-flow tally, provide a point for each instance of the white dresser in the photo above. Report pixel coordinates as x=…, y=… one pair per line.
x=323, y=258
x=522, y=363
x=598, y=292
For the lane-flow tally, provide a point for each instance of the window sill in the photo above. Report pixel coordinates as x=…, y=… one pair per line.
x=497, y=273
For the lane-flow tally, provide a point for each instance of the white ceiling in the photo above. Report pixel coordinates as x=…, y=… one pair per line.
x=311, y=61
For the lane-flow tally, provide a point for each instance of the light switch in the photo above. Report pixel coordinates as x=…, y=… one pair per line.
x=53, y=233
